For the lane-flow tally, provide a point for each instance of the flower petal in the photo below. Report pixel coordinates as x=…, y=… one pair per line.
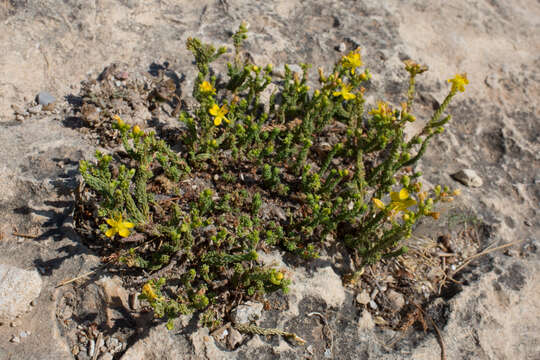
x=123, y=232
x=110, y=232
x=217, y=120
x=214, y=110
x=378, y=203
x=403, y=194
x=111, y=222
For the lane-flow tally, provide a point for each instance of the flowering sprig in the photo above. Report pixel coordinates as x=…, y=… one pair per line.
x=352, y=61
x=458, y=82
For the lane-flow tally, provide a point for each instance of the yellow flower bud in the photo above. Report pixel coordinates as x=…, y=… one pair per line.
x=119, y=120
x=137, y=131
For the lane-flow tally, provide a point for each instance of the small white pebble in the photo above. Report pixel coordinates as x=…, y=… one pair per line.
x=15, y=339
x=373, y=305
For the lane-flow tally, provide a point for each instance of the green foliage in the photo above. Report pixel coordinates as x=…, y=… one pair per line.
x=264, y=155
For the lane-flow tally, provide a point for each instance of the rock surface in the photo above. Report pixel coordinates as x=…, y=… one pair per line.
x=494, y=130
x=18, y=288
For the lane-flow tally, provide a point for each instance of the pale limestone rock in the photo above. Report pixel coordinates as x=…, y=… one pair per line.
x=18, y=288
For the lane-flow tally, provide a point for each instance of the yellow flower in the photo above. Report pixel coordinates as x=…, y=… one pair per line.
x=219, y=114
x=352, y=61
x=401, y=200
x=118, y=226
x=206, y=87
x=345, y=92
x=148, y=291
x=458, y=82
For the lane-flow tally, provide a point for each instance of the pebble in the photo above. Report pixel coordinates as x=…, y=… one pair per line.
x=75, y=349
x=397, y=300
x=19, y=117
x=363, y=298
x=17, y=110
x=468, y=177
x=15, y=339
x=44, y=98
x=374, y=293
x=342, y=47
x=35, y=109
x=366, y=321
x=106, y=356
x=373, y=305
x=15, y=323
x=234, y=338
x=328, y=354
x=24, y=334
x=122, y=75
x=247, y=312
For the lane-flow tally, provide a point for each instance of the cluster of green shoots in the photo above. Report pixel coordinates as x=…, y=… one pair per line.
x=333, y=171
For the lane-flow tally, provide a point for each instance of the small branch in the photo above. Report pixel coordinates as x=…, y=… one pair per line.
x=485, y=252
x=28, y=236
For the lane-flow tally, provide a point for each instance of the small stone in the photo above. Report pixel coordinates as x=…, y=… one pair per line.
x=19, y=117
x=366, y=321
x=23, y=334
x=373, y=305
x=90, y=113
x=122, y=75
x=234, y=338
x=221, y=333
x=247, y=312
x=75, y=349
x=112, y=343
x=342, y=47
x=468, y=177
x=17, y=110
x=374, y=293
x=363, y=298
x=44, y=98
x=106, y=356
x=15, y=339
x=296, y=68
x=397, y=300
x=15, y=323
x=35, y=109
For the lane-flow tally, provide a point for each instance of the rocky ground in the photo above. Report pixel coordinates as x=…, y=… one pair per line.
x=52, y=46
